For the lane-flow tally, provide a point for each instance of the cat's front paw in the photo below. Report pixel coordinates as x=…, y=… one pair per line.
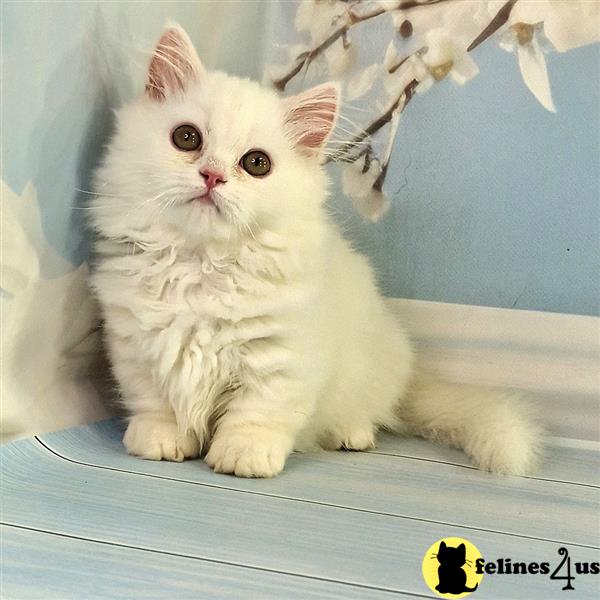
x=248, y=452
x=355, y=437
x=158, y=438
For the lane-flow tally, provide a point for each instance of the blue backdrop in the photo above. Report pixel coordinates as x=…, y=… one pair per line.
x=495, y=200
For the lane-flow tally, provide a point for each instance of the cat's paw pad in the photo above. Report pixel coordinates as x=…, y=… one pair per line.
x=255, y=453
x=156, y=438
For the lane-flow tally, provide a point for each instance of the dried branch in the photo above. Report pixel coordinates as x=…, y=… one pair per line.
x=356, y=148
x=393, y=129
x=306, y=57
x=401, y=101
x=501, y=17
x=395, y=67
x=343, y=153
x=351, y=19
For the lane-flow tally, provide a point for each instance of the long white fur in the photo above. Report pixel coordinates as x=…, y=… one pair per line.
x=249, y=331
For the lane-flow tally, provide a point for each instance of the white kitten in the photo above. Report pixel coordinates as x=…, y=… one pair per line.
x=238, y=320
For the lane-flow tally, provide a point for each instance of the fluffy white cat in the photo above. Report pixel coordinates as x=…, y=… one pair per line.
x=240, y=324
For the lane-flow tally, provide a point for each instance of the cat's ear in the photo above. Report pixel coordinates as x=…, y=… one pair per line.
x=462, y=549
x=311, y=116
x=174, y=65
x=442, y=546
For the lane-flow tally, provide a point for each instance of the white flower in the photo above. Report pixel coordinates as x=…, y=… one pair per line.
x=388, y=4
x=392, y=57
x=363, y=81
x=275, y=72
x=535, y=74
x=372, y=206
x=567, y=23
x=318, y=17
x=460, y=19
x=339, y=58
x=395, y=83
x=420, y=71
x=358, y=179
x=523, y=39
x=447, y=55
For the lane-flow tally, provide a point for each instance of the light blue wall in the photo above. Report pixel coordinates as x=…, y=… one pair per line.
x=67, y=65
x=495, y=200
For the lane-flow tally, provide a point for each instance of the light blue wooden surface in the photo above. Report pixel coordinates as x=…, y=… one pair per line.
x=62, y=566
x=85, y=520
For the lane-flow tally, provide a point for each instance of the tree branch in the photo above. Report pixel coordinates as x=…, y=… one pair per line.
x=351, y=19
x=493, y=26
x=402, y=100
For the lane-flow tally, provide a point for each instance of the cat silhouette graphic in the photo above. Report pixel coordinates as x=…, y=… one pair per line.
x=452, y=577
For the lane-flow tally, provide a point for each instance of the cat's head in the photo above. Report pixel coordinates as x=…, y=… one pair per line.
x=450, y=556
x=211, y=155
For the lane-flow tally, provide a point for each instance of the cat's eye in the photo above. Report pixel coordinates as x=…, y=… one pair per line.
x=256, y=162
x=187, y=137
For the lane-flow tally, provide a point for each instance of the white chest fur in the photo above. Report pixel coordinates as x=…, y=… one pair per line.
x=196, y=321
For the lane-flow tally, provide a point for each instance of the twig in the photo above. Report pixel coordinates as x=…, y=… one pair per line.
x=402, y=100
x=493, y=26
x=351, y=19
x=395, y=67
x=393, y=128
x=344, y=153
x=306, y=57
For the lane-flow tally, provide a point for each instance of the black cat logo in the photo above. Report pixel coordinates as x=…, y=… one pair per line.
x=448, y=567
x=452, y=577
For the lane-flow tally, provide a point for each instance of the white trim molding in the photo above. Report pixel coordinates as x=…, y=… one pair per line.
x=552, y=358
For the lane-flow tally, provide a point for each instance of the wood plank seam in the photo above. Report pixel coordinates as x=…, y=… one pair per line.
x=454, y=464
x=408, y=457
x=216, y=561
x=315, y=502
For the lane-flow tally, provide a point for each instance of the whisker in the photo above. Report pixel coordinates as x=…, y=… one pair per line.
x=347, y=105
x=95, y=207
x=350, y=122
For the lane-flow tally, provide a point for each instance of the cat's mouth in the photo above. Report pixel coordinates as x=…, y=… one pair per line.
x=204, y=199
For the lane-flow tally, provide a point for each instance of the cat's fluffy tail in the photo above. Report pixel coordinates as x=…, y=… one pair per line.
x=496, y=429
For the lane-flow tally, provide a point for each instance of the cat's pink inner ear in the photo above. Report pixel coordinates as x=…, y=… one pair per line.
x=174, y=64
x=311, y=115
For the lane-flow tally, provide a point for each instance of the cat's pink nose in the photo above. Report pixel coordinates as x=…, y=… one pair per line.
x=212, y=177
